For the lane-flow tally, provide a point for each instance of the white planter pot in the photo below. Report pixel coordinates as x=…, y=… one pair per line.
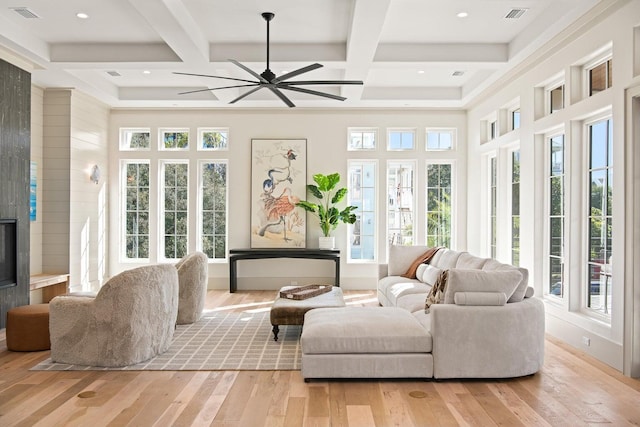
x=326, y=242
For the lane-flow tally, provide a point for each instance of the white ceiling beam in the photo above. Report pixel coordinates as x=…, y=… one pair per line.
x=362, y=42
x=173, y=23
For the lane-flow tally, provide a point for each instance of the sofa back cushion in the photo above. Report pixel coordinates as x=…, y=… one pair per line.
x=468, y=261
x=401, y=257
x=445, y=259
x=519, y=294
x=461, y=280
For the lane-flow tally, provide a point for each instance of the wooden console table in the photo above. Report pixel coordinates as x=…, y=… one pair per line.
x=52, y=285
x=238, y=254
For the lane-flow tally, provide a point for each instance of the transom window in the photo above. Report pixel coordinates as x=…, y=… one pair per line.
x=135, y=139
x=440, y=139
x=362, y=139
x=556, y=98
x=401, y=139
x=599, y=77
x=213, y=139
x=174, y=139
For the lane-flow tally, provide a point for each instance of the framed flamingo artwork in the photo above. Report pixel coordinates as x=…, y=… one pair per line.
x=278, y=182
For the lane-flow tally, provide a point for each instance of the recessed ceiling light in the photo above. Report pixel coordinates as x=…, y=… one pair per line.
x=420, y=71
x=462, y=15
x=146, y=72
x=82, y=15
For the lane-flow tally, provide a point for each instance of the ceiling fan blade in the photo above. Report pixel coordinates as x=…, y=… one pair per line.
x=324, y=82
x=297, y=72
x=216, y=88
x=217, y=77
x=249, y=70
x=247, y=93
x=281, y=96
x=313, y=92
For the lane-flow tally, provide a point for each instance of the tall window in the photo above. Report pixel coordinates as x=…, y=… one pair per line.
x=362, y=194
x=401, y=139
x=515, y=207
x=600, y=216
x=136, y=209
x=175, y=215
x=439, y=205
x=556, y=200
x=599, y=77
x=213, y=220
x=493, y=207
x=401, y=202
x=362, y=139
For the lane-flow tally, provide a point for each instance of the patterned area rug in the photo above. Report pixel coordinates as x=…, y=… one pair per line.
x=218, y=341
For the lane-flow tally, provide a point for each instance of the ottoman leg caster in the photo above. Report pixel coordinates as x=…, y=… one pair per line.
x=275, y=330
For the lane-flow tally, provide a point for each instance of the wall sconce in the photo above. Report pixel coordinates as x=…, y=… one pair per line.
x=95, y=174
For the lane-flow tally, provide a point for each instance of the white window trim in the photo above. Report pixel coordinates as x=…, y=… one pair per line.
x=122, y=251
x=454, y=138
x=199, y=216
x=162, y=131
x=376, y=216
x=202, y=130
x=161, y=209
x=402, y=130
x=124, y=147
x=362, y=130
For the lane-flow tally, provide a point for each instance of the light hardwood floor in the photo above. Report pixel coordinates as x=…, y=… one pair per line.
x=571, y=390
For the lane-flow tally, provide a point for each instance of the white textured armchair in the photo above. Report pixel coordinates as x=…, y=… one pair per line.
x=193, y=278
x=131, y=319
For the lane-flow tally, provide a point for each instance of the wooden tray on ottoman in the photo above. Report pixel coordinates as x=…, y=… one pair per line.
x=304, y=292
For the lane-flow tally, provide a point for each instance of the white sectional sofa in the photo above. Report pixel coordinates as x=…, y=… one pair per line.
x=488, y=325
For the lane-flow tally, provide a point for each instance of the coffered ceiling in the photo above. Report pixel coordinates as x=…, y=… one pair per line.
x=408, y=53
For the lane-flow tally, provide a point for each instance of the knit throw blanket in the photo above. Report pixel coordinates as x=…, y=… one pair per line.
x=422, y=259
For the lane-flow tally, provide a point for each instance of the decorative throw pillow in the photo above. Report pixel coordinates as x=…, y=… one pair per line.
x=436, y=294
x=420, y=272
x=460, y=280
x=429, y=274
x=422, y=259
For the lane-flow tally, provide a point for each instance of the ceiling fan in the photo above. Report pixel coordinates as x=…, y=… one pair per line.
x=267, y=79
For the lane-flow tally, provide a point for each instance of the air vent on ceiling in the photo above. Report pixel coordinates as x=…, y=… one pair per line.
x=25, y=12
x=515, y=13
x=114, y=73
x=458, y=73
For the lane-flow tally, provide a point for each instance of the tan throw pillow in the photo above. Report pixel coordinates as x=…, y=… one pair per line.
x=460, y=280
x=436, y=294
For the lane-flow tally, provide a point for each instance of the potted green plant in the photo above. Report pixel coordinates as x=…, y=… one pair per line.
x=326, y=208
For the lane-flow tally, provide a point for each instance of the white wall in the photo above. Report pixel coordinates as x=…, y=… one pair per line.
x=326, y=134
x=566, y=322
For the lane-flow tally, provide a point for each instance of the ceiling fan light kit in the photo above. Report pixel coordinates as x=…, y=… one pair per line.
x=267, y=79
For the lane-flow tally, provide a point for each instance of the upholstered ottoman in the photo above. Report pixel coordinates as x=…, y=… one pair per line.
x=28, y=328
x=291, y=312
x=365, y=342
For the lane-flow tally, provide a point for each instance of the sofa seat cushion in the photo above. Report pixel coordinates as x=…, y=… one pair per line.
x=412, y=302
x=393, y=287
x=356, y=330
